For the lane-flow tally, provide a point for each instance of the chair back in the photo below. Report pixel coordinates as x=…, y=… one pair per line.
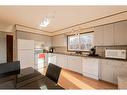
x=53, y=72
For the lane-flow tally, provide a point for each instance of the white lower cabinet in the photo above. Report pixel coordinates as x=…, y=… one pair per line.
x=91, y=67
x=120, y=69
x=58, y=59
x=61, y=60
x=75, y=63
x=52, y=58
x=46, y=59
x=107, y=71
x=103, y=69
x=111, y=69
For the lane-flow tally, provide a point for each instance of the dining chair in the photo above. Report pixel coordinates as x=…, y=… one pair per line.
x=53, y=72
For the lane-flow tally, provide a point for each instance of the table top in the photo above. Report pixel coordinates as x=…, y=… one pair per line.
x=30, y=78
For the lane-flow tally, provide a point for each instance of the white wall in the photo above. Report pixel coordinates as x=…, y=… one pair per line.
x=4, y=27
x=59, y=40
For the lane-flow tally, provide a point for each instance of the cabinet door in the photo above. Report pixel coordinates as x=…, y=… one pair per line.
x=108, y=34
x=46, y=59
x=91, y=67
x=107, y=71
x=75, y=64
x=98, y=36
x=52, y=58
x=26, y=58
x=120, y=70
x=62, y=60
x=120, y=30
x=25, y=44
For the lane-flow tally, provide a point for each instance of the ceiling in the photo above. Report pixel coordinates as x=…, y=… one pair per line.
x=64, y=16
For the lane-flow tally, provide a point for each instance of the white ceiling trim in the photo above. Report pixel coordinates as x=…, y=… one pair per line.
x=32, y=30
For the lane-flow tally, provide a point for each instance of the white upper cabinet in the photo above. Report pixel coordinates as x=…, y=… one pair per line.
x=98, y=36
x=108, y=34
x=104, y=35
x=25, y=44
x=26, y=53
x=120, y=29
x=59, y=40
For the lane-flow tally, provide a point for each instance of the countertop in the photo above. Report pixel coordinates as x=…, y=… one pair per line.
x=86, y=55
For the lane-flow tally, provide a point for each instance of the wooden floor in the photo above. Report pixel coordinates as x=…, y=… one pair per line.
x=72, y=80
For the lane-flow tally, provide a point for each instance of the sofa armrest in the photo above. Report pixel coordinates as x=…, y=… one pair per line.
x=10, y=68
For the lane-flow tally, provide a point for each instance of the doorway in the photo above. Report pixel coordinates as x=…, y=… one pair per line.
x=9, y=45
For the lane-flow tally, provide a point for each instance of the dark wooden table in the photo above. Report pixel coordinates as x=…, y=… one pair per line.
x=30, y=78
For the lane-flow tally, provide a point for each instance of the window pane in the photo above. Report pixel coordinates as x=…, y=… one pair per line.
x=86, y=41
x=73, y=42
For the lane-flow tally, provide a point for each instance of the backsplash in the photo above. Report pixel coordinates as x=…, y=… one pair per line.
x=101, y=49
x=60, y=49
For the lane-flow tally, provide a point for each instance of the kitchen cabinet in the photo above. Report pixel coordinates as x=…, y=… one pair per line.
x=111, y=69
x=68, y=62
x=26, y=53
x=122, y=82
x=75, y=63
x=24, y=44
x=98, y=36
x=107, y=71
x=52, y=58
x=108, y=35
x=120, y=29
x=120, y=69
x=104, y=35
x=103, y=69
x=61, y=60
x=59, y=40
x=91, y=67
x=46, y=59
x=58, y=59
x=26, y=58
x=36, y=37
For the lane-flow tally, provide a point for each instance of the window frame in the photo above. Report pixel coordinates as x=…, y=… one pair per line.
x=79, y=42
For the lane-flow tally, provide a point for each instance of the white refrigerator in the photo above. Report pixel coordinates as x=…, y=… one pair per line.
x=26, y=53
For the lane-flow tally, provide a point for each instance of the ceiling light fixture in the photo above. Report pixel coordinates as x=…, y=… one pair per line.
x=45, y=22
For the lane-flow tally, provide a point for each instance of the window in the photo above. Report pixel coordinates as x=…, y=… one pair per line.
x=73, y=43
x=82, y=42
